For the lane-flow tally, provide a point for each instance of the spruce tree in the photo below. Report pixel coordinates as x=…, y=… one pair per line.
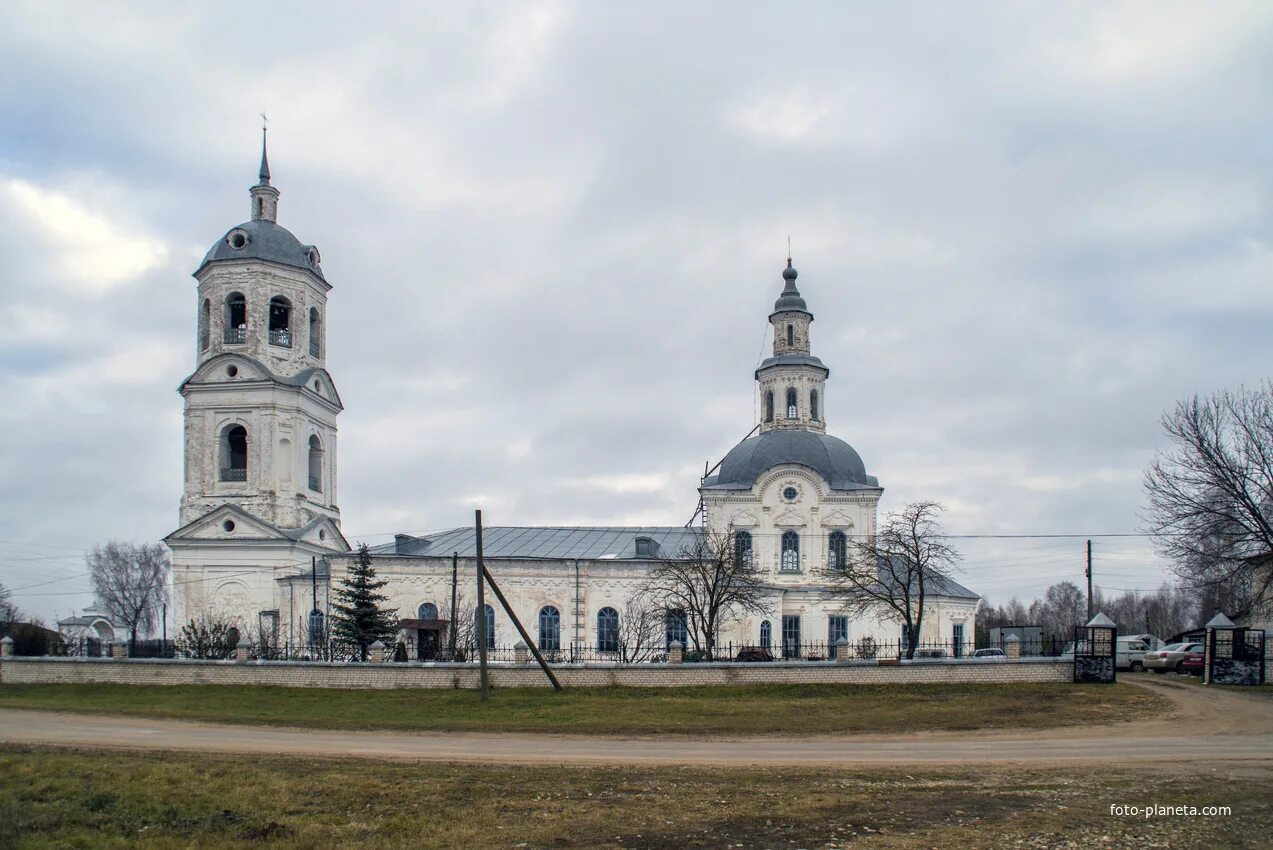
x=359, y=620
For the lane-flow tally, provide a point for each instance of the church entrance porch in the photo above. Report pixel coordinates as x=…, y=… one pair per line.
x=426, y=637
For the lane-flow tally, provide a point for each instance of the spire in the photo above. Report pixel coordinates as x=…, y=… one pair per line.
x=264, y=196
x=265, y=162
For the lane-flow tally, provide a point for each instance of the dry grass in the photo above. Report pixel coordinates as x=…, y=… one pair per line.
x=98, y=799
x=768, y=709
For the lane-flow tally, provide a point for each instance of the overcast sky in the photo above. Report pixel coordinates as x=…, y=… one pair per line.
x=555, y=232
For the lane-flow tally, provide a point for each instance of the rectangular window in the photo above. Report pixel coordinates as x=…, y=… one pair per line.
x=957, y=639
x=837, y=629
x=790, y=635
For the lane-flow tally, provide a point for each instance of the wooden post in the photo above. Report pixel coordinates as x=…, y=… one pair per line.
x=521, y=630
x=455, y=576
x=479, y=616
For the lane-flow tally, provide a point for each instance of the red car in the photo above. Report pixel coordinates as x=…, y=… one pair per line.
x=1193, y=662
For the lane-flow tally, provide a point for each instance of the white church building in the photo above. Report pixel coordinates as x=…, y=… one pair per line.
x=260, y=540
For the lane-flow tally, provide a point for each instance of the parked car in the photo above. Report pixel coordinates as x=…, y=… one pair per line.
x=989, y=653
x=930, y=653
x=1170, y=657
x=754, y=653
x=1193, y=662
x=1130, y=654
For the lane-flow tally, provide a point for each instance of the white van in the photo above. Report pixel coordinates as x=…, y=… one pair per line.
x=1130, y=653
x=1152, y=642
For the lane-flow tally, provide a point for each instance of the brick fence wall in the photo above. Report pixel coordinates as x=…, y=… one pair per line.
x=315, y=674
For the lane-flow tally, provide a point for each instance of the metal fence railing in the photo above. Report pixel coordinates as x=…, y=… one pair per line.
x=861, y=649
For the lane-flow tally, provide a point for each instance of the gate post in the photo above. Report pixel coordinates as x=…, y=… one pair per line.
x=1012, y=646
x=1233, y=655
x=1095, y=650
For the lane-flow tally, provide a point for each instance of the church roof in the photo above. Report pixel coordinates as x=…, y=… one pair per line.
x=790, y=298
x=266, y=240
x=555, y=542
x=832, y=458
x=792, y=360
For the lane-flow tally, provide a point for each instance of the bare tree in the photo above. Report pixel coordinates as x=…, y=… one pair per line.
x=1062, y=607
x=711, y=583
x=1211, y=495
x=894, y=572
x=9, y=612
x=130, y=582
x=641, y=629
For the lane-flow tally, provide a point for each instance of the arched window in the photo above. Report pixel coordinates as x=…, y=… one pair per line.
x=677, y=628
x=205, y=324
x=766, y=634
x=315, y=464
x=813, y=404
x=315, y=330
x=646, y=547
x=427, y=611
x=791, y=402
x=236, y=318
x=234, y=453
x=490, y=626
x=791, y=334
x=607, y=630
x=742, y=548
x=280, y=321
x=837, y=550
x=790, y=552
x=769, y=406
x=549, y=628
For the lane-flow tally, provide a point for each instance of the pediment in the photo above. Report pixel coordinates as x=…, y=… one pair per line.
x=321, y=531
x=838, y=519
x=744, y=519
x=790, y=519
x=228, y=522
x=218, y=370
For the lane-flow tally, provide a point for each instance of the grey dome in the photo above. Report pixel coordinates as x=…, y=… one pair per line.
x=832, y=458
x=790, y=298
x=265, y=241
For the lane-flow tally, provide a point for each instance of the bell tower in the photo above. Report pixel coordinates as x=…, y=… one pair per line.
x=259, y=484
x=261, y=407
x=792, y=381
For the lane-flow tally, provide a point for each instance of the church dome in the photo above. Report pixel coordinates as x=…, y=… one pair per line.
x=832, y=458
x=264, y=240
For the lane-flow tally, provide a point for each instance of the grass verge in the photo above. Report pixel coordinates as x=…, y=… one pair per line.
x=70, y=798
x=761, y=709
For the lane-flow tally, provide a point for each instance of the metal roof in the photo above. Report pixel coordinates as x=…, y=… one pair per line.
x=266, y=240
x=552, y=542
x=832, y=458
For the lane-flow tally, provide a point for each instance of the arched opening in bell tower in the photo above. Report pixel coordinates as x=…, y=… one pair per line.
x=791, y=334
x=234, y=453
x=792, y=409
x=769, y=406
x=280, y=321
x=236, y=318
x=813, y=404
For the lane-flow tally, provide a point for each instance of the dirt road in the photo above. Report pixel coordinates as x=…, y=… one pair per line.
x=1203, y=725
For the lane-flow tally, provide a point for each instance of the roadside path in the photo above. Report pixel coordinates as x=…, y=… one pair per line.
x=1242, y=729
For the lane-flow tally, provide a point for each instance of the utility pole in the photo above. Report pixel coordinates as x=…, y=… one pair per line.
x=455, y=577
x=479, y=616
x=1089, y=580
